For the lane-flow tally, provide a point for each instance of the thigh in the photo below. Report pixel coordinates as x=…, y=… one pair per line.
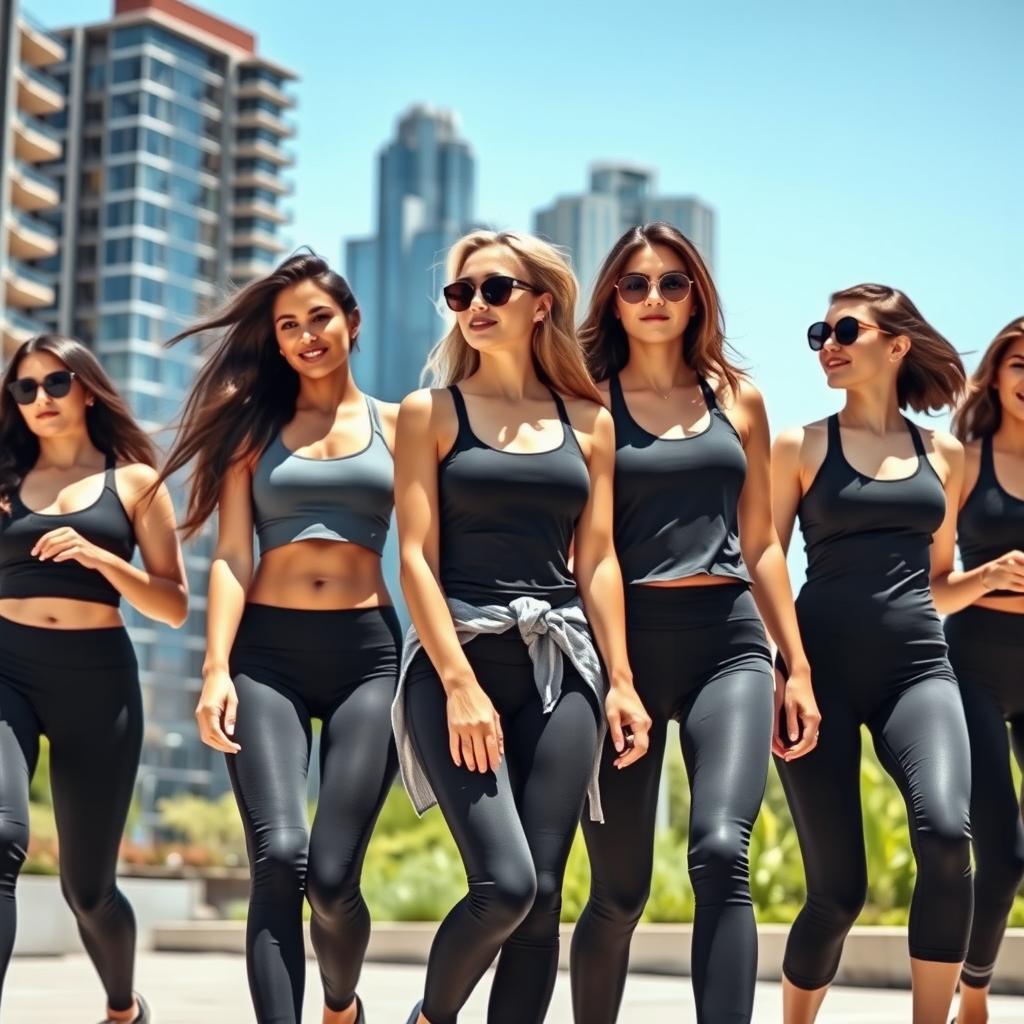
x=19, y=753
x=921, y=739
x=269, y=773
x=726, y=732
x=823, y=792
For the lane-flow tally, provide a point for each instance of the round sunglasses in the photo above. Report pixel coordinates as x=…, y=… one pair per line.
x=56, y=385
x=495, y=291
x=846, y=331
x=673, y=287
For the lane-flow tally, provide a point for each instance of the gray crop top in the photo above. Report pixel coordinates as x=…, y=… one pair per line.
x=345, y=499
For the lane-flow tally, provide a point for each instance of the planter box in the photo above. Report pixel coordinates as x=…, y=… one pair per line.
x=872, y=957
x=46, y=927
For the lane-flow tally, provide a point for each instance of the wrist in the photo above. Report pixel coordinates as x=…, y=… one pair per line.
x=214, y=665
x=457, y=680
x=983, y=578
x=621, y=678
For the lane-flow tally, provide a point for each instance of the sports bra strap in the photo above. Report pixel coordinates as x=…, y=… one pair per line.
x=988, y=465
x=915, y=436
x=109, y=479
x=709, y=395
x=562, y=414
x=375, y=424
x=835, y=442
x=460, y=407
x=615, y=392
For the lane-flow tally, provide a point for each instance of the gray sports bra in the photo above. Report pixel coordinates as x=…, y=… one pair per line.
x=345, y=499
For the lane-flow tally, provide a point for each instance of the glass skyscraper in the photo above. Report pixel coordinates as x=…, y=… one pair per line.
x=170, y=177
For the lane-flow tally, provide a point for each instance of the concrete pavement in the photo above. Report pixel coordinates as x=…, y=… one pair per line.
x=210, y=988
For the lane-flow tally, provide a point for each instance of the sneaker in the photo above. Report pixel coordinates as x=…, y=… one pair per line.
x=415, y=1015
x=144, y=1016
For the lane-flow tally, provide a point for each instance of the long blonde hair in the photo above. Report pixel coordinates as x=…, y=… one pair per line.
x=557, y=356
x=980, y=414
x=603, y=337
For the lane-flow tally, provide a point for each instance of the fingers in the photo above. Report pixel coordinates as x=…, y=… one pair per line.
x=500, y=733
x=468, y=754
x=615, y=730
x=54, y=542
x=230, y=713
x=641, y=744
x=480, y=752
x=493, y=756
x=210, y=731
x=811, y=721
x=793, y=721
x=455, y=746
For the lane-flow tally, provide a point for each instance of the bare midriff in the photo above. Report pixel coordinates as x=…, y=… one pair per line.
x=1014, y=604
x=59, y=613
x=702, y=580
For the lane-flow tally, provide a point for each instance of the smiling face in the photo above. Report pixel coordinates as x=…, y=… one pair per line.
x=313, y=333
x=47, y=416
x=872, y=355
x=1009, y=380
x=486, y=327
x=655, y=320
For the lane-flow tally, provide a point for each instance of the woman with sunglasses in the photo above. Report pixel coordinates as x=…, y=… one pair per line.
x=871, y=490
x=76, y=496
x=693, y=531
x=497, y=474
x=284, y=442
x=985, y=632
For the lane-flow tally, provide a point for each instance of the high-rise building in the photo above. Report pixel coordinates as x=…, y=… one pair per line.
x=620, y=196
x=168, y=177
x=28, y=94
x=425, y=201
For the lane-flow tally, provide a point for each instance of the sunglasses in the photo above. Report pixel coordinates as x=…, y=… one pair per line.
x=847, y=330
x=56, y=385
x=673, y=287
x=496, y=291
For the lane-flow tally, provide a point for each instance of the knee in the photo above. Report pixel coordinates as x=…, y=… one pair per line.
x=504, y=900
x=620, y=900
x=719, y=869
x=333, y=892
x=88, y=897
x=541, y=921
x=279, y=864
x=13, y=847
x=944, y=849
x=835, y=909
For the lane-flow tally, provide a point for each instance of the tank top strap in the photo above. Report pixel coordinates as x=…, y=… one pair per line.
x=109, y=478
x=375, y=421
x=460, y=409
x=987, y=469
x=618, y=402
x=835, y=442
x=560, y=405
x=915, y=436
x=709, y=395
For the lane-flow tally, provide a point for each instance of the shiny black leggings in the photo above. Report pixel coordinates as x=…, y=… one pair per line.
x=514, y=829
x=986, y=649
x=699, y=656
x=289, y=667
x=880, y=661
x=80, y=688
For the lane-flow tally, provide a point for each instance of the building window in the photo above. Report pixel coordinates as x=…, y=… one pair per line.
x=127, y=69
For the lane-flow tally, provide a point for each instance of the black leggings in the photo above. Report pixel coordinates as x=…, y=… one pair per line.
x=881, y=662
x=699, y=656
x=986, y=649
x=290, y=666
x=514, y=829
x=79, y=688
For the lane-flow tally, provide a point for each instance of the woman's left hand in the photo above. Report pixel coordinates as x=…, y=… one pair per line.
x=65, y=543
x=796, y=711
x=625, y=710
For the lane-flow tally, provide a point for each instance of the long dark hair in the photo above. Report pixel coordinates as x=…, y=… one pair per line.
x=981, y=414
x=245, y=393
x=112, y=428
x=603, y=337
x=932, y=375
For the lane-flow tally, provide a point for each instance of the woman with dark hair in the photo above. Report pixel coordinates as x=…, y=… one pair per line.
x=871, y=490
x=282, y=441
x=499, y=717
x=700, y=558
x=77, y=493
x=985, y=632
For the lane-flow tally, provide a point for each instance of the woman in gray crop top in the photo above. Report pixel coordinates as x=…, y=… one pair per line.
x=76, y=473
x=497, y=475
x=287, y=446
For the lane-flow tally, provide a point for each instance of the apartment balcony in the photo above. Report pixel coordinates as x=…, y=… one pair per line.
x=38, y=92
x=258, y=89
x=264, y=119
x=35, y=141
x=264, y=150
x=262, y=179
x=32, y=190
x=29, y=238
x=242, y=271
x=26, y=287
x=258, y=239
x=257, y=208
x=16, y=329
x=38, y=47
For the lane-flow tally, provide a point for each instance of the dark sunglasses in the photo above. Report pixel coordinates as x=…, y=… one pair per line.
x=847, y=331
x=56, y=385
x=673, y=287
x=496, y=291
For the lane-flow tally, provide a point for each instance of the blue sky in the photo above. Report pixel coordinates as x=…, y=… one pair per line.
x=837, y=142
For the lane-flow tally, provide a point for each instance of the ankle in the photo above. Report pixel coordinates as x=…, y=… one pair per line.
x=124, y=1015
x=347, y=1016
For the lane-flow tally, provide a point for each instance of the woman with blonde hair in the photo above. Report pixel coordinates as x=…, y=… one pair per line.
x=871, y=490
x=499, y=468
x=985, y=632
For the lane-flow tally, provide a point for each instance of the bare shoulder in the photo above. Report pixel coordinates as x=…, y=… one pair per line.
x=388, y=412
x=420, y=405
x=134, y=477
x=585, y=415
x=802, y=448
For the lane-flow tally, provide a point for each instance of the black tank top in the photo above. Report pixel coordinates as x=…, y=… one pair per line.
x=876, y=531
x=991, y=523
x=104, y=523
x=676, y=499
x=507, y=518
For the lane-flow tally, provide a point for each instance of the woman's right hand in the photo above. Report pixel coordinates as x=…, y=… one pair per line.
x=215, y=714
x=474, y=729
x=1004, y=573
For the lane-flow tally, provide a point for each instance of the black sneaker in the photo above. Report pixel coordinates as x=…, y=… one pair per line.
x=415, y=1015
x=144, y=1016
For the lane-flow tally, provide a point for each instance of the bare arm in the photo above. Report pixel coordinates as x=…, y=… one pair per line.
x=159, y=590
x=599, y=580
x=954, y=589
x=474, y=729
x=230, y=576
